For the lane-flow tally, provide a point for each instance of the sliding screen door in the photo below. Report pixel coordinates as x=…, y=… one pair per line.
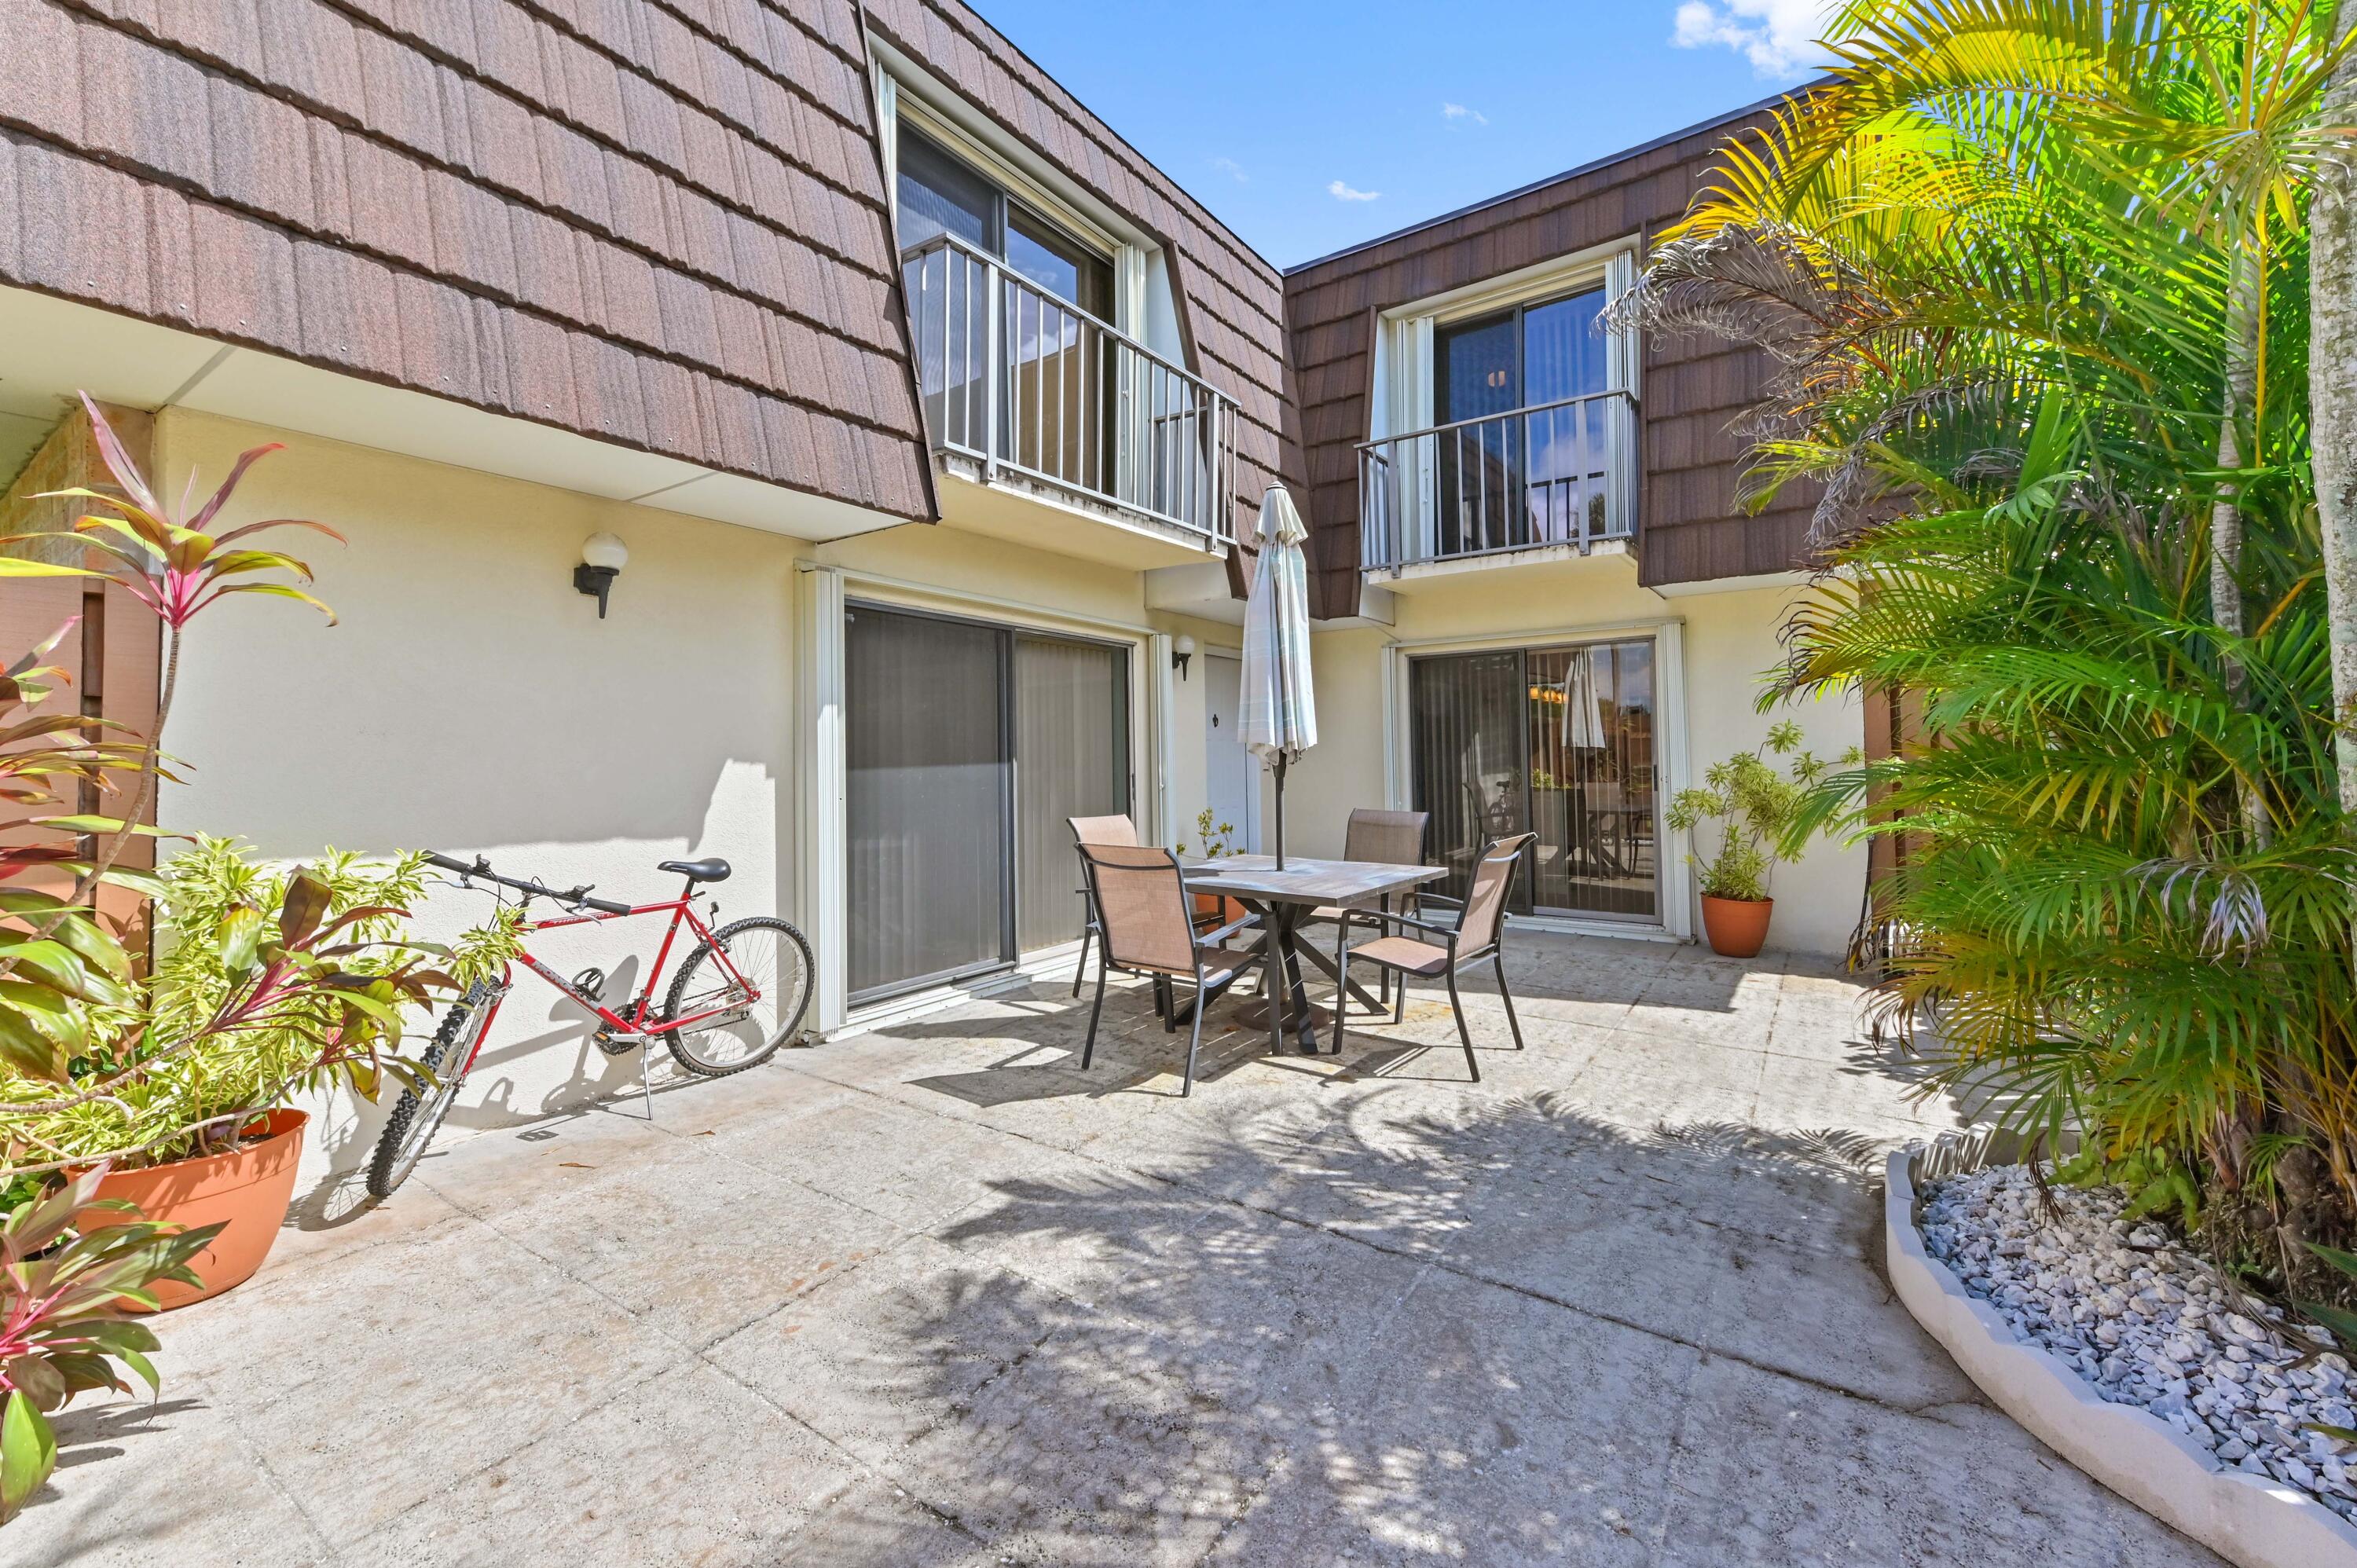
x=926, y=797
x=1071, y=759
x=967, y=746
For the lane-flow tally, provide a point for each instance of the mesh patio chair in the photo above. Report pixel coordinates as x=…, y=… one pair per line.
x=1094, y=830
x=1381, y=838
x=1443, y=950
x=1145, y=926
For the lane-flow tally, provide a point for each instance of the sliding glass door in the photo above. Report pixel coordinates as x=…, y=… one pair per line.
x=966, y=746
x=1556, y=741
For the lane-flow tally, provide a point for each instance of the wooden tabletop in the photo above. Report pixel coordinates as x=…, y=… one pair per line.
x=1305, y=880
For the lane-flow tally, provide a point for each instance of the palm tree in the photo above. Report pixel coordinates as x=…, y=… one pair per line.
x=2035, y=273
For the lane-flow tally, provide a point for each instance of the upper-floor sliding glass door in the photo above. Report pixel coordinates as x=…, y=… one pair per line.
x=1056, y=401
x=1556, y=741
x=1525, y=460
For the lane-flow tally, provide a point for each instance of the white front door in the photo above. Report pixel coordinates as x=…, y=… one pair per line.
x=1231, y=774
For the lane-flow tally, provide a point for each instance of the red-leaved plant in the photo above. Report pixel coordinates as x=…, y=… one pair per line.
x=64, y=1328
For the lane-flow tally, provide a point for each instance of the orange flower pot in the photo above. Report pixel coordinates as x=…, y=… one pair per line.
x=248, y=1186
x=1213, y=907
x=1738, y=927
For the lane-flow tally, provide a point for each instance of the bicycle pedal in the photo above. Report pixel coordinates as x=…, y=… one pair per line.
x=615, y=1045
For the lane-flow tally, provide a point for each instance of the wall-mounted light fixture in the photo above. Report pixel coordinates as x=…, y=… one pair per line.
x=603, y=556
x=1182, y=649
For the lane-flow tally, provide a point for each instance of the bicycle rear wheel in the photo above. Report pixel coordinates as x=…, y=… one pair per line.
x=417, y=1117
x=746, y=1028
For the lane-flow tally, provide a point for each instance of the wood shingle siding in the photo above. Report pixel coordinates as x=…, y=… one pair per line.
x=662, y=225
x=1693, y=390
x=1231, y=301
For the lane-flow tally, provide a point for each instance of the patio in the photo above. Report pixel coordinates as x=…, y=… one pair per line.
x=935, y=1296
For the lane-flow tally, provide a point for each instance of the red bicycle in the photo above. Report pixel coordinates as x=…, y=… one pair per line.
x=738, y=995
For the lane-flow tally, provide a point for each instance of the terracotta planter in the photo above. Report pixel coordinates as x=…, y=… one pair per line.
x=249, y=1186
x=1213, y=907
x=1738, y=927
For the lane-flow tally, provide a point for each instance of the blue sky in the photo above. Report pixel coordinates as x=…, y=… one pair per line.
x=1310, y=125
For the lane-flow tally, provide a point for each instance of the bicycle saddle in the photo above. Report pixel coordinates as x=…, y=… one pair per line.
x=713, y=870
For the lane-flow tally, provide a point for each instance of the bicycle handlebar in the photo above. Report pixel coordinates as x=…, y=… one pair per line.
x=577, y=897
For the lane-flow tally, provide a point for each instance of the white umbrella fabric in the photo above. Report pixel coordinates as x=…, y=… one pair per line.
x=1582, y=725
x=1279, y=720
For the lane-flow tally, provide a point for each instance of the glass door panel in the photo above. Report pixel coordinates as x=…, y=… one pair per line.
x=1071, y=759
x=1592, y=779
x=1563, y=356
x=1469, y=727
x=927, y=783
x=1480, y=465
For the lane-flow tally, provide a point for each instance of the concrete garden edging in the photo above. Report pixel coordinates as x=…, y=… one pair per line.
x=2246, y=1519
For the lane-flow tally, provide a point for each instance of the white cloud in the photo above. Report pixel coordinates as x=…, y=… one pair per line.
x=1341, y=192
x=1233, y=169
x=1453, y=113
x=1777, y=36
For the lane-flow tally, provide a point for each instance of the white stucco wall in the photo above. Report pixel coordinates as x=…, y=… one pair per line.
x=470, y=701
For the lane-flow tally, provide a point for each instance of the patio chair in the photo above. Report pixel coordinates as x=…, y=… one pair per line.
x=1382, y=838
x=1478, y=933
x=1146, y=925
x=1094, y=830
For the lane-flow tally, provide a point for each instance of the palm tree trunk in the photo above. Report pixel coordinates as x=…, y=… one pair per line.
x=2226, y=513
x=2332, y=413
x=2333, y=406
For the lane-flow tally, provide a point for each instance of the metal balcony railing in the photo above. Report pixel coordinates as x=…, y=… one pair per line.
x=1554, y=473
x=1016, y=380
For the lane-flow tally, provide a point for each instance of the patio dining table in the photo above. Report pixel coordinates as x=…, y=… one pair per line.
x=1283, y=899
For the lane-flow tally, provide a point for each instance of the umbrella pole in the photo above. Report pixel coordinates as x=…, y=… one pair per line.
x=1280, y=810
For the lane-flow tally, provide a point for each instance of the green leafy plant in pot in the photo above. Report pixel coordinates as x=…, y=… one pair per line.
x=1755, y=804
x=263, y=983
x=1214, y=840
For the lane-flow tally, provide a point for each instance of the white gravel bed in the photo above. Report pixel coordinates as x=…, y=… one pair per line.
x=2147, y=1323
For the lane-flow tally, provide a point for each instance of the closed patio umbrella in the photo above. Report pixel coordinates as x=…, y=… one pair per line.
x=1582, y=725
x=1279, y=720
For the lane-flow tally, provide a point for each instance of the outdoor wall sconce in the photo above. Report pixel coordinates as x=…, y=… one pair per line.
x=1181, y=650
x=603, y=556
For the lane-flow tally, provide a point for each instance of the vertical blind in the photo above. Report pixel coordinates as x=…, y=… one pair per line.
x=925, y=796
x=967, y=746
x=1071, y=759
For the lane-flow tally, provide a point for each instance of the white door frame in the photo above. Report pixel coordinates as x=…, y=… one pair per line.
x=820, y=593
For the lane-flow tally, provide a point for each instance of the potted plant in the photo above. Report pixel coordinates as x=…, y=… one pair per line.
x=178, y=1069
x=1755, y=804
x=65, y=1284
x=1214, y=842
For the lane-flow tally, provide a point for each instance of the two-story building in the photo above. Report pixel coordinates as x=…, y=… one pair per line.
x=930, y=414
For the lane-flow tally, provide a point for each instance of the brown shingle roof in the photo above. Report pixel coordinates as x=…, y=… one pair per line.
x=662, y=225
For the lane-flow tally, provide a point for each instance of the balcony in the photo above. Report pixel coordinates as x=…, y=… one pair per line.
x=1558, y=478
x=1025, y=390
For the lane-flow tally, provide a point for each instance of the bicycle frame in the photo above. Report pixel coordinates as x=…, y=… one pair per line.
x=636, y=1022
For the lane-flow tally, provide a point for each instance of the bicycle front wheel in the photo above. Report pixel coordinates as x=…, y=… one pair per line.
x=754, y=980
x=416, y=1117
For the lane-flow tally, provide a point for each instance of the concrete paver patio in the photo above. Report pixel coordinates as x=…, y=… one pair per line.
x=935, y=1296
